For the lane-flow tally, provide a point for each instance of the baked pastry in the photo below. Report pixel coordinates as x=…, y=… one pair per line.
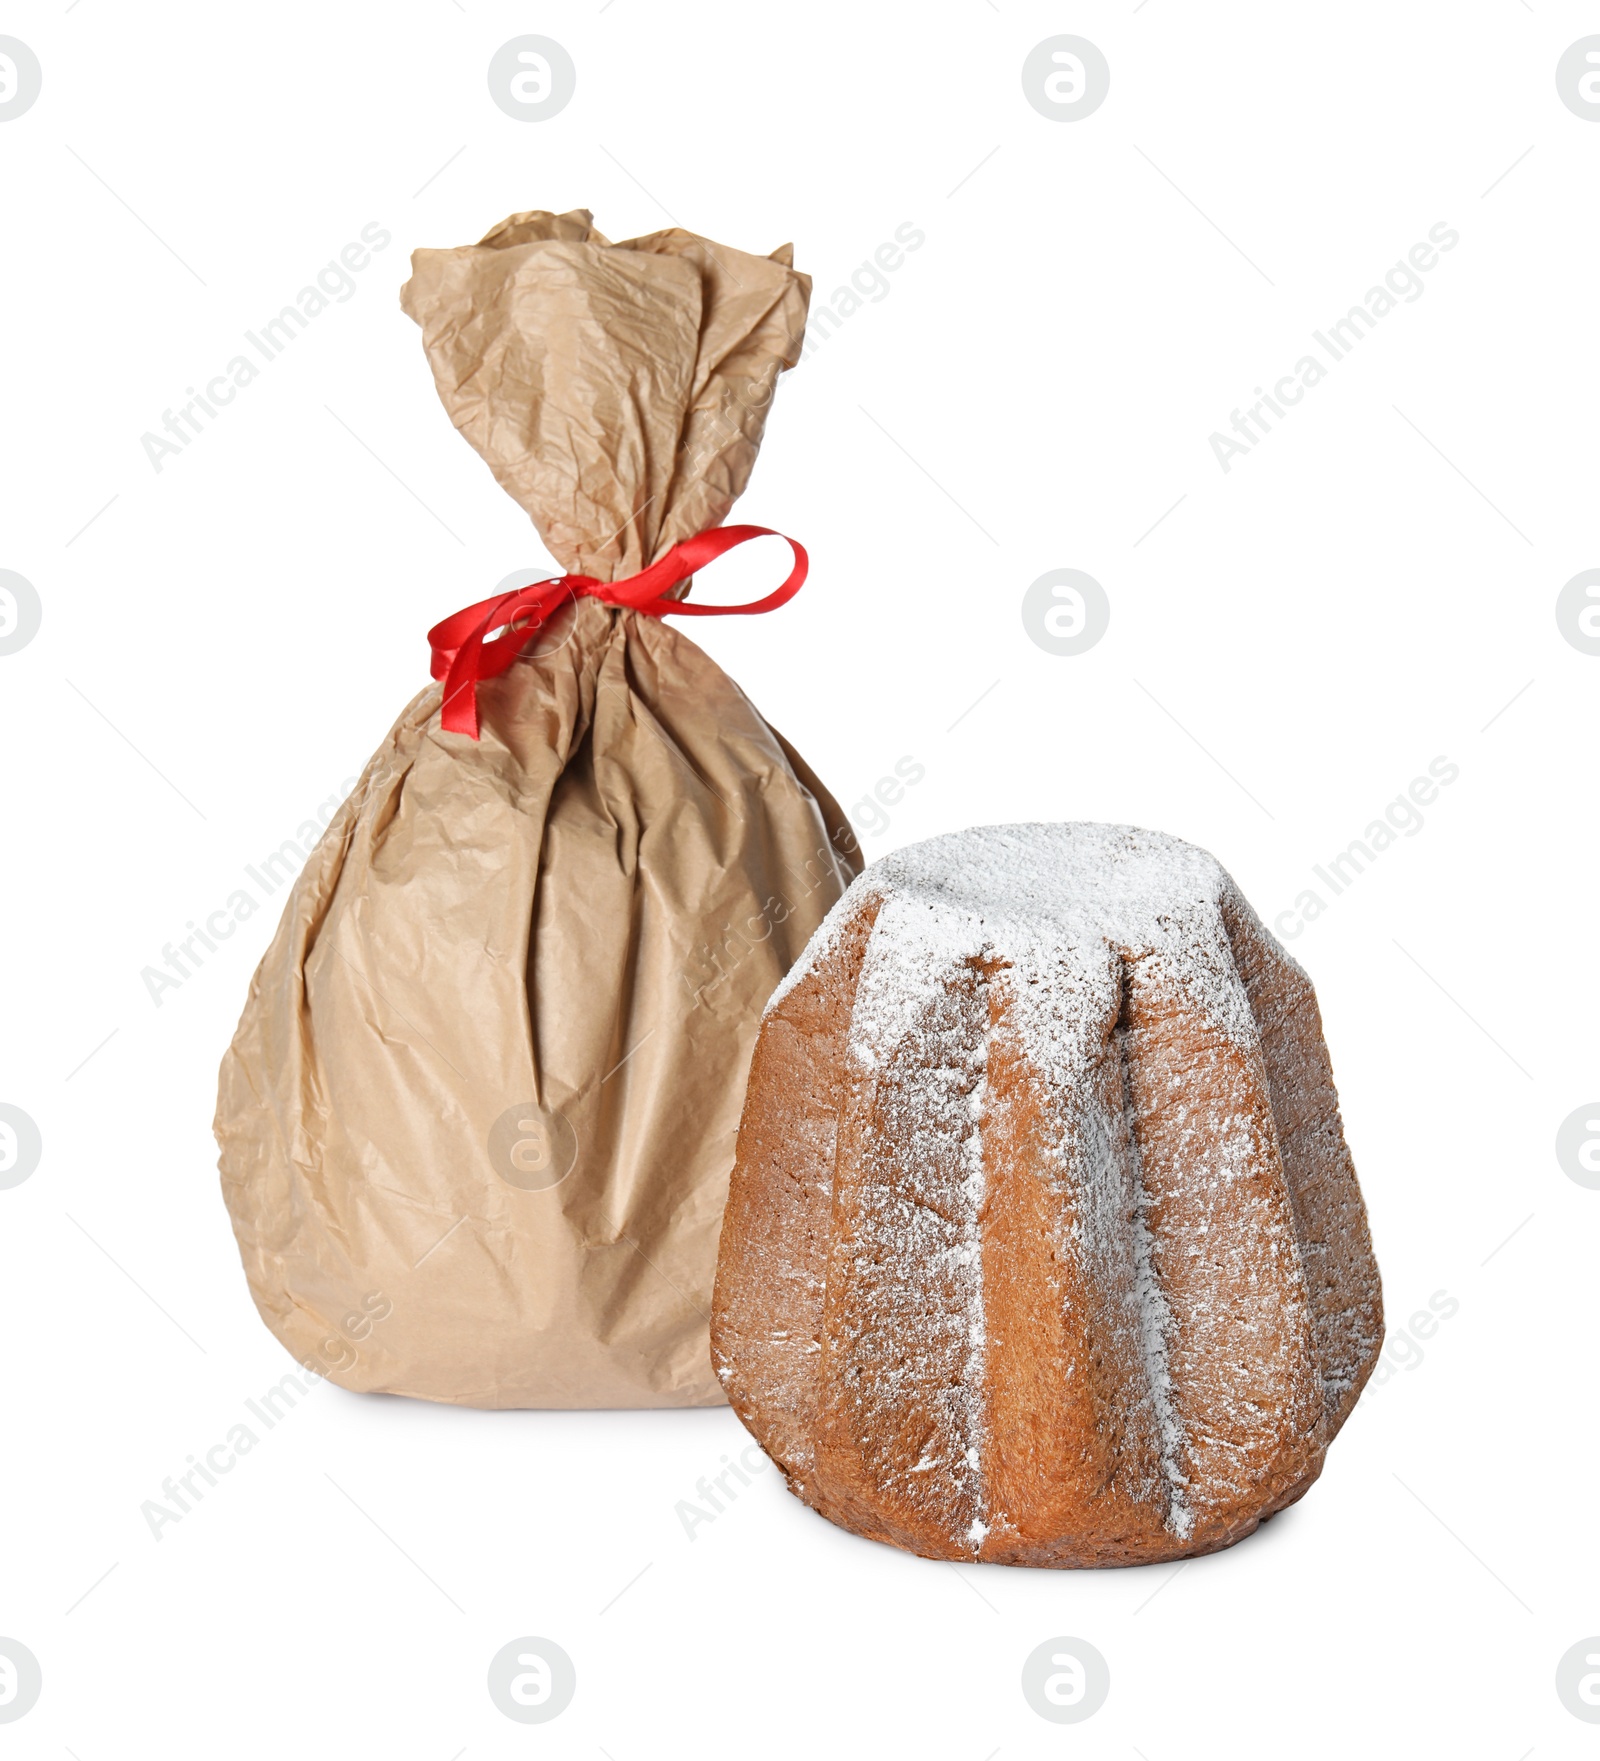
x=1043, y=1245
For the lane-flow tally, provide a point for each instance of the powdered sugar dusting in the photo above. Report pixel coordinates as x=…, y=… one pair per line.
x=824, y=940
x=917, y=1052
x=1030, y=910
x=1044, y=887
x=1053, y=1203
x=1155, y=1327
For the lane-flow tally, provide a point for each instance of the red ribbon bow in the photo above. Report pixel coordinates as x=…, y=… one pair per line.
x=465, y=648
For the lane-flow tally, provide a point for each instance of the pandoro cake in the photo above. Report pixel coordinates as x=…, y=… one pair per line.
x=1043, y=1245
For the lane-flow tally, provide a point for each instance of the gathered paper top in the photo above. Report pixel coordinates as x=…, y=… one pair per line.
x=617, y=391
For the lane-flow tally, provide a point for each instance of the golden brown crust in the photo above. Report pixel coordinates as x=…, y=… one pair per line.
x=1102, y=1300
x=1331, y=1219
x=767, y=1307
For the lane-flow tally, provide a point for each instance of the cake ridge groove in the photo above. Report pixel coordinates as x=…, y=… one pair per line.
x=1041, y=1158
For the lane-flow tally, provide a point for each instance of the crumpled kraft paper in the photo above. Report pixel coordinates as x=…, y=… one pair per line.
x=488, y=1077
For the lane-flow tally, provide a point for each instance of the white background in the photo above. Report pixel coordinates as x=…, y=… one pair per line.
x=1374, y=586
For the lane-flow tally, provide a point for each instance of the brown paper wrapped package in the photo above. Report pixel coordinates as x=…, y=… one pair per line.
x=488, y=1078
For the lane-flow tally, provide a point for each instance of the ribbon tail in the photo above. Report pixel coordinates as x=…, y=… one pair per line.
x=458, y=709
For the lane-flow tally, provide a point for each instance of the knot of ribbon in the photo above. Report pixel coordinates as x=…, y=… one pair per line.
x=482, y=640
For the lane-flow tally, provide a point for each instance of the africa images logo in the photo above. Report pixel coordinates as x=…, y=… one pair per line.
x=1402, y=283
